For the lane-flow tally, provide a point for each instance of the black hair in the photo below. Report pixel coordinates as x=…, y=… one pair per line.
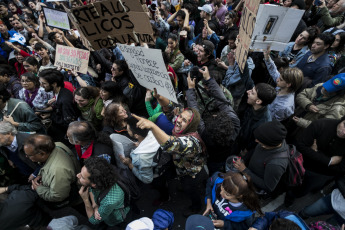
x=39, y=46
x=341, y=46
x=173, y=37
x=284, y=224
x=156, y=32
x=32, y=61
x=219, y=127
x=122, y=65
x=115, y=91
x=232, y=36
x=281, y=62
x=181, y=14
x=102, y=173
x=266, y=93
x=87, y=92
x=31, y=16
x=6, y=69
x=327, y=39
x=166, y=58
x=4, y=94
x=51, y=36
x=312, y=32
x=31, y=77
x=52, y=76
x=232, y=14
x=132, y=123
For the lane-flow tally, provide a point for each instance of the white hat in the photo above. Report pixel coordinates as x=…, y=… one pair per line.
x=207, y=8
x=143, y=223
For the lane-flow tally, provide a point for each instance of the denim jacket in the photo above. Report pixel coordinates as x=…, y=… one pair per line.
x=298, y=56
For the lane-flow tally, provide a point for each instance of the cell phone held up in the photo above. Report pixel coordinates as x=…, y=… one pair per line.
x=212, y=215
x=195, y=74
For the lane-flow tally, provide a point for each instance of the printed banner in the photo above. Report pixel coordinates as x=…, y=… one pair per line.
x=56, y=18
x=149, y=69
x=72, y=58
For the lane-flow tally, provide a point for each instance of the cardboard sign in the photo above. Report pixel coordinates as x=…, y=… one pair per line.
x=72, y=58
x=248, y=20
x=149, y=69
x=108, y=22
x=56, y=18
x=274, y=27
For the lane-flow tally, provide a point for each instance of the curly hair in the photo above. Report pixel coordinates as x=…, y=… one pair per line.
x=241, y=186
x=102, y=173
x=111, y=115
x=219, y=127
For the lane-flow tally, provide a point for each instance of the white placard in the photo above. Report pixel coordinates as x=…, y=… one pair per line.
x=149, y=69
x=56, y=18
x=274, y=27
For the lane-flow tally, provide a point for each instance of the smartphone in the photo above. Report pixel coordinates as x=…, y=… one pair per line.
x=212, y=215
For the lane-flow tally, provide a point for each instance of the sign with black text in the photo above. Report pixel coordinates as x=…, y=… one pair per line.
x=56, y=18
x=148, y=67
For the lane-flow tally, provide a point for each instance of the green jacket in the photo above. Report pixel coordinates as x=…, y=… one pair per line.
x=333, y=108
x=58, y=173
x=24, y=115
x=111, y=209
x=328, y=20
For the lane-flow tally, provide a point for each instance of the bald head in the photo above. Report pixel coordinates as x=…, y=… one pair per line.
x=40, y=143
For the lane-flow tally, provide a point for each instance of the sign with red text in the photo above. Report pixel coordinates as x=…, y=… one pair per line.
x=148, y=68
x=108, y=22
x=72, y=58
x=248, y=20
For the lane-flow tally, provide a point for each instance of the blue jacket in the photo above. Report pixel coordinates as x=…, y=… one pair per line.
x=237, y=216
x=318, y=71
x=263, y=223
x=285, y=53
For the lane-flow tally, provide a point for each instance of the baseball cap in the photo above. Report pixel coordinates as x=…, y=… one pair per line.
x=335, y=84
x=143, y=223
x=16, y=37
x=207, y=8
x=199, y=222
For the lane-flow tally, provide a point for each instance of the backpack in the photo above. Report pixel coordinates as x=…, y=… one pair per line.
x=128, y=182
x=295, y=171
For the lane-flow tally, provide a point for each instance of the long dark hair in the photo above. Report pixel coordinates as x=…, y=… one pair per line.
x=241, y=186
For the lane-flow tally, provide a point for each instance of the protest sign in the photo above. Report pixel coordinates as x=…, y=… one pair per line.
x=274, y=27
x=248, y=20
x=109, y=22
x=56, y=18
x=72, y=58
x=149, y=69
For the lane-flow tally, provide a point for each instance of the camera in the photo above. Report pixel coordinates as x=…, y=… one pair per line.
x=195, y=74
x=212, y=215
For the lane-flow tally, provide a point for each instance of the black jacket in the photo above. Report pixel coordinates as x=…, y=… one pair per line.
x=324, y=131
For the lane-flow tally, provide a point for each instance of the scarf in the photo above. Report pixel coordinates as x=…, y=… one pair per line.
x=87, y=107
x=191, y=129
x=29, y=99
x=87, y=153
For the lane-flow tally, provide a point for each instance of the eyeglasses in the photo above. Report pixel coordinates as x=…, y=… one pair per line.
x=27, y=155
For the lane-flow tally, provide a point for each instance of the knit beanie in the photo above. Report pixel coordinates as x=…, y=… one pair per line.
x=271, y=133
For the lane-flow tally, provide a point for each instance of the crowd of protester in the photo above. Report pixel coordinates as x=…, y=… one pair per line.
x=92, y=141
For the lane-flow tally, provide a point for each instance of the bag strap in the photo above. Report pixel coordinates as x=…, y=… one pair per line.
x=21, y=102
x=285, y=154
x=102, y=195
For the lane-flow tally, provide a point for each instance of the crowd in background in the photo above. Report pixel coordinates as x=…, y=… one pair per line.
x=236, y=137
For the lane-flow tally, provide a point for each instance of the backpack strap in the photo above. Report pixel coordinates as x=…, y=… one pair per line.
x=285, y=154
x=102, y=195
x=21, y=102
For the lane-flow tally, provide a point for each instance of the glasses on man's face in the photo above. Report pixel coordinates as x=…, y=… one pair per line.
x=27, y=155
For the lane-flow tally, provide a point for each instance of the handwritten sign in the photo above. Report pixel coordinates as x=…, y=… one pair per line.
x=56, y=18
x=108, y=22
x=72, y=58
x=248, y=21
x=274, y=27
x=149, y=69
